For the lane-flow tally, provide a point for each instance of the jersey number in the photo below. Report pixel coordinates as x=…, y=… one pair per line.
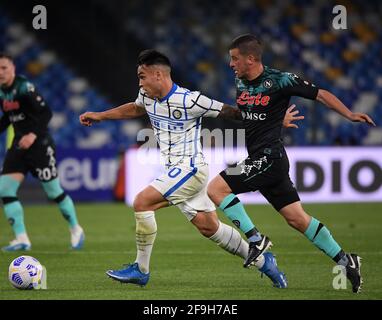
x=46, y=174
x=174, y=172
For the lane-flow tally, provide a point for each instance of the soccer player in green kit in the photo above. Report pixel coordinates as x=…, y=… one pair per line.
x=263, y=96
x=32, y=150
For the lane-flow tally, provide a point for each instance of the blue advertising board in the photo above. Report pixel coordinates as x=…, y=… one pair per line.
x=88, y=175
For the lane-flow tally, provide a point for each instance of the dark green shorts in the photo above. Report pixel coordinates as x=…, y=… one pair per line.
x=265, y=173
x=39, y=160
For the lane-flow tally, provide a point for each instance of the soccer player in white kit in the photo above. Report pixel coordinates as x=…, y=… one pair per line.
x=176, y=114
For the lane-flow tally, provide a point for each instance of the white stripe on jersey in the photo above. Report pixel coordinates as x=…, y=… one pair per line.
x=176, y=120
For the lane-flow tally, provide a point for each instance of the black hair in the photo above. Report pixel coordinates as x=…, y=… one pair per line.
x=6, y=56
x=248, y=44
x=152, y=57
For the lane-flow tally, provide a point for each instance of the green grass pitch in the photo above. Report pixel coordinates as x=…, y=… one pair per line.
x=185, y=265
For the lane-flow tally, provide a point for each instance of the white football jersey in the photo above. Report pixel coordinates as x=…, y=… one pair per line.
x=176, y=120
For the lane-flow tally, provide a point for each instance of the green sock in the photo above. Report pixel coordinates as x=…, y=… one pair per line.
x=13, y=209
x=234, y=210
x=55, y=192
x=15, y=215
x=321, y=238
x=68, y=211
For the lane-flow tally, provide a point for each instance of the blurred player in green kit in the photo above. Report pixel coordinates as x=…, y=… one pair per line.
x=32, y=150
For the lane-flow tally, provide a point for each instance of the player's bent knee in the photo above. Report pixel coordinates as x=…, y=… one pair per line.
x=206, y=225
x=208, y=230
x=141, y=204
x=206, y=233
x=138, y=204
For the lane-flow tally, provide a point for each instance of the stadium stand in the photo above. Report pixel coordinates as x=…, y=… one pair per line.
x=67, y=93
x=346, y=62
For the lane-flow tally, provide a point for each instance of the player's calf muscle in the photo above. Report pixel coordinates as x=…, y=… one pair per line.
x=205, y=223
x=217, y=191
x=295, y=216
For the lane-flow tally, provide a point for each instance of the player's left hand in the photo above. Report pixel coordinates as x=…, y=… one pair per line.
x=27, y=140
x=361, y=117
x=291, y=116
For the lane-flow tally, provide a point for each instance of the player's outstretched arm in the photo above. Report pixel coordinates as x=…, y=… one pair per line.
x=125, y=111
x=229, y=112
x=332, y=102
x=290, y=116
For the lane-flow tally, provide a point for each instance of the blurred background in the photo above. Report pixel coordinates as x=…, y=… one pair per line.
x=86, y=60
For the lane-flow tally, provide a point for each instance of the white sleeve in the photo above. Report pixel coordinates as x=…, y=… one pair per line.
x=139, y=101
x=202, y=106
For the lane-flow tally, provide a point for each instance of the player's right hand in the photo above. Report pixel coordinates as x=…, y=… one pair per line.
x=291, y=116
x=88, y=118
x=362, y=117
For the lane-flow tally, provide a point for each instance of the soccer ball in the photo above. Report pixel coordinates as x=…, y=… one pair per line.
x=25, y=273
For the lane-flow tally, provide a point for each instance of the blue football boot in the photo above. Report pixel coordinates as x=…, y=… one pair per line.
x=130, y=274
x=16, y=245
x=272, y=272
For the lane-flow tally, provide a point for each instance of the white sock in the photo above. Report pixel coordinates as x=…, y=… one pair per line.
x=231, y=241
x=259, y=262
x=23, y=238
x=145, y=233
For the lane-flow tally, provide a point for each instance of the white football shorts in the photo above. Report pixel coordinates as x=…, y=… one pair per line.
x=186, y=187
